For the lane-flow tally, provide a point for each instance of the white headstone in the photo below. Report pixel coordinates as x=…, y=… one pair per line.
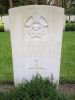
x=5, y=20
x=72, y=18
x=67, y=18
x=36, y=38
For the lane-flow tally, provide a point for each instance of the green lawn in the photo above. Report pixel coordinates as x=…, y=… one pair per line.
x=67, y=61
x=5, y=57
x=68, y=58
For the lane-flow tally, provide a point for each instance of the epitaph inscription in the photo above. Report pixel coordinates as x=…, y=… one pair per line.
x=36, y=65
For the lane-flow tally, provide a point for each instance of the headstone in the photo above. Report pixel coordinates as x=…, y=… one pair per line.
x=5, y=20
x=72, y=18
x=36, y=38
x=67, y=18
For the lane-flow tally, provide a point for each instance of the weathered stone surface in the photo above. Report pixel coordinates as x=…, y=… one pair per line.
x=36, y=38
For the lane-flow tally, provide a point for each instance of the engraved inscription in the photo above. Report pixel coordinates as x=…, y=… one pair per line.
x=36, y=65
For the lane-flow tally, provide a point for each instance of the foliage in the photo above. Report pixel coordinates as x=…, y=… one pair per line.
x=37, y=89
x=1, y=26
x=69, y=5
x=70, y=26
x=28, y=2
x=4, y=6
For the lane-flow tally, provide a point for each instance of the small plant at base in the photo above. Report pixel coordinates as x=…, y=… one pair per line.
x=37, y=89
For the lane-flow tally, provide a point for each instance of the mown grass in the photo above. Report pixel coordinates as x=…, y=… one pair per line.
x=68, y=58
x=6, y=72
x=67, y=61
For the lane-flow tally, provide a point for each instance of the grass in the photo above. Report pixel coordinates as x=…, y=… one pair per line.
x=30, y=90
x=6, y=72
x=67, y=60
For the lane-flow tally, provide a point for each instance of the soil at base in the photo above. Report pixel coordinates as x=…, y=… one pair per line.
x=65, y=88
